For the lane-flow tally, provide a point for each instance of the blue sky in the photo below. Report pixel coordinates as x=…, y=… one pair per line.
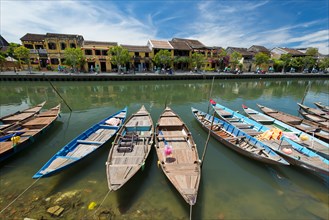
x=271, y=23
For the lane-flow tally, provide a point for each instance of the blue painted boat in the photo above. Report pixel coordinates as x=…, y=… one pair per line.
x=298, y=136
x=19, y=136
x=296, y=154
x=83, y=145
x=237, y=139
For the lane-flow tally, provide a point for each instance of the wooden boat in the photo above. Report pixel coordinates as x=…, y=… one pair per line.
x=322, y=106
x=296, y=135
x=305, y=125
x=315, y=118
x=20, y=135
x=178, y=155
x=236, y=119
x=237, y=140
x=83, y=145
x=18, y=116
x=314, y=111
x=300, y=156
x=293, y=152
x=130, y=149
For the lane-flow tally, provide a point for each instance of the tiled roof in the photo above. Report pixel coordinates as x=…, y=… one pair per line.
x=242, y=51
x=3, y=42
x=194, y=44
x=70, y=36
x=180, y=45
x=292, y=51
x=99, y=43
x=160, y=44
x=134, y=48
x=33, y=37
x=257, y=49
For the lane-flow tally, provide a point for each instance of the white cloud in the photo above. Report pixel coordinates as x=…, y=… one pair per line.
x=214, y=23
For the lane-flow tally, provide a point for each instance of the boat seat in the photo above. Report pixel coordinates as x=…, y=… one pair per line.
x=125, y=147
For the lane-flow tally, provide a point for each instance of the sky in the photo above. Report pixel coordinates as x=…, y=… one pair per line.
x=222, y=23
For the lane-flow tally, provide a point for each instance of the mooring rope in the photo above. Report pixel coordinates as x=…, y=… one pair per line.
x=19, y=196
x=107, y=194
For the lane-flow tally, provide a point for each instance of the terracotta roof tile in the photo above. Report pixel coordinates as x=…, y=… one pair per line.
x=242, y=51
x=70, y=36
x=194, y=44
x=293, y=51
x=33, y=37
x=180, y=45
x=161, y=44
x=99, y=43
x=135, y=48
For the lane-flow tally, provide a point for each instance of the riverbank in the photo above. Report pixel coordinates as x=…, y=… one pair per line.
x=56, y=76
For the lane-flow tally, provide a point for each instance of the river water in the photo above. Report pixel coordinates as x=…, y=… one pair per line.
x=232, y=186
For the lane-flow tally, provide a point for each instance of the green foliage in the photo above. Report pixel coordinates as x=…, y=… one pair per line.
x=296, y=62
x=74, y=57
x=11, y=49
x=181, y=59
x=119, y=56
x=22, y=53
x=285, y=58
x=261, y=58
x=308, y=61
x=235, y=58
x=2, y=60
x=197, y=60
x=324, y=63
x=209, y=69
x=312, y=52
x=162, y=58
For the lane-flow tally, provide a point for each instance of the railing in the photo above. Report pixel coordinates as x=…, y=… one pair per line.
x=38, y=51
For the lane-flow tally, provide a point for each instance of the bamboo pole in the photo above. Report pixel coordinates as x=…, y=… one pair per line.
x=210, y=93
x=206, y=145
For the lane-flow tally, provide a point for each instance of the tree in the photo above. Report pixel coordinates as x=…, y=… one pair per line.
x=74, y=57
x=261, y=58
x=285, y=58
x=119, y=56
x=296, y=62
x=311, y=51
x=2, y=61
x=22, y=53
x=162, y=58
x=324, y=64
x=308, y=61
x=11, y=49
x=235, y=58
x=222, y=55
x=197, y=60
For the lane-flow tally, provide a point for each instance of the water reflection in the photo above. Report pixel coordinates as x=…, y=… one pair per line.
x=232, y=186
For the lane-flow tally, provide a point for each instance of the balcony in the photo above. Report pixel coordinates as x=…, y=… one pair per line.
x=38, y=51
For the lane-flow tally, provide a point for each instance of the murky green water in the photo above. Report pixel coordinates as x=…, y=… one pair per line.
x=232, y=187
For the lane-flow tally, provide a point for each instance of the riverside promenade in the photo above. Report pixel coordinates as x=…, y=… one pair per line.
x=59, y=76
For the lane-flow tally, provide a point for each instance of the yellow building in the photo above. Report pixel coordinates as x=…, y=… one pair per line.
x=47, y=50
x=96, y=56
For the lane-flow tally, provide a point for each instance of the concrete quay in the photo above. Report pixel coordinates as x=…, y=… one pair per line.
x=56, y=76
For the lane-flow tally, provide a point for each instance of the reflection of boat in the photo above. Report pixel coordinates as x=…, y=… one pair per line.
x=83, y=145
x=238, y=140
x=297, y=136
x=130, y=149
x=20, y=135
x=8, y=120
x=178, y=155
x=322, y=106
x=314, y=111
x=305, y=125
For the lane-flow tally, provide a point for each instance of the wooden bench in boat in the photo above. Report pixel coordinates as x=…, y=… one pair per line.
x=252, y=132
x=242, y=125
x=172, y=136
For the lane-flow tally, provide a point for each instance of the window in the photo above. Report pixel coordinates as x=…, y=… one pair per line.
x=54, y=61
x=28, y=46
x=146, y=54
x=97, y=52
x=136, y=54
x=88, y=52
x=39, y=47
x=63, y=46
x=72, y=45
x=104, y=52
x=51, y=46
